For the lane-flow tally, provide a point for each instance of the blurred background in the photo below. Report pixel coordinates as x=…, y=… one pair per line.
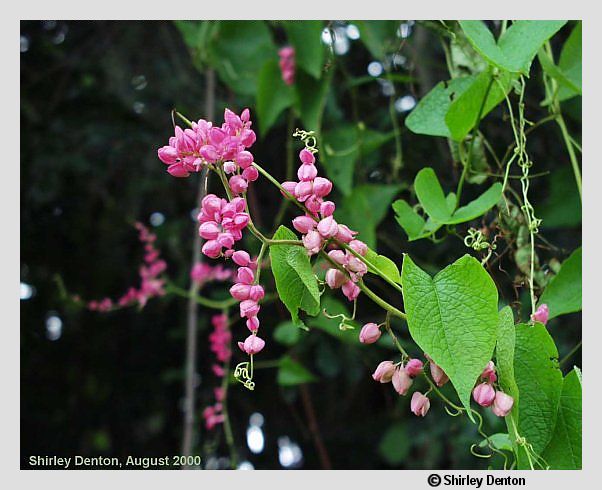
x=96, y=102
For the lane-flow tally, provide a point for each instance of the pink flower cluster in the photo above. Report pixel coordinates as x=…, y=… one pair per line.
x=287, y=64
x=219, y=340
x=249, y=294
x=221, y=224
x=487, y=396
x=202, y=273
x=203, y=144
x=319, y=227
x=151, y=282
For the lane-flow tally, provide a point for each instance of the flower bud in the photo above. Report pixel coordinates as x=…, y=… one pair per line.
x=253, y=324
x=313, y=204
x=257, y=293
x=322, y=186
x=414, y=367
x=211, y=204
x=212, y=249
x=502, y=404
x=238, y=184
x=252, y=345
x=225, y=240
x=230, y=167
x=289, y=187
x=335, y=278
x=541, y=314
x=240, y=291
x=244, y=159
x=401, y=381
x=359, y=247
x=338, y=256
x=350, y=290
x=303, y=190
x=209, y=230
x=438, y=375
x=241, y=258
x=369, y=333
x=488, y=373
x=250, y=173
x=344, y=234
x=307, y=172
x=327, y=209
x=384, y=372
x=420, y=404
x=303, y=224
x=249, y=308
x=483, y=394
x=177, y=170
x=328, y=227
x=168, y=155
x=312, y=242
x=245, y=275
x=307, y=157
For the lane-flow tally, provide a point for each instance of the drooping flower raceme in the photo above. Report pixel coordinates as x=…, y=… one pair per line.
x=287, y=64
x=220, y=339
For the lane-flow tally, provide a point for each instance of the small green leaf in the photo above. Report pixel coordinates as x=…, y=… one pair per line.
x=239, y=50
x=555, y=72
x=291, y=373
x=384, y=265
x=365, y=208
x=431, y=196
x=395, y=444
x=570, y=62
x=295, y=281
x=500, y=441
x=563, y=293
x=411, y=222
x=564, y=450
x=428, y=117
x=287, y=333
x=516, y=48
x=479, y=206
x=504, y=355
x=306, y=38
x=453, y=317
x=539, y=383
x=273, y=95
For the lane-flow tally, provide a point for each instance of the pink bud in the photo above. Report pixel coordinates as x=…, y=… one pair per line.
x=250, y=173
x=226, y=240
x=356, y=265
x=369, y=333
x=289, y=187
x=414, y=367
x=359, y=247
x=245, y=275
x=312, y=242
x=249, y=308
x=303, y=190
x=244, y=159
x=338, y=256
x=483, y=394
x=253, y=324
x=177, y=170
x=322, y=186
x=211, y=204
x=335, y=278
x=209, y=153
x=303, y=224
x=307, y=157
x=344, y=234
x=209, y=230
x=541, y=314
x=327, y=208
x=438, y=375
x=256, y=293
x=252, y=345
x=420, y=404
x=212, y=249
x=488, y=373
x=307, y=172
x=401, y=381
x=350, y=290
x=502, y=404
x=328, y=227
x=230, y=167
x=241, y=258
x=168, y=155
x=313, y=204
x=240, y=291
x=384, y=372
x=245, y=115
x=238, y=184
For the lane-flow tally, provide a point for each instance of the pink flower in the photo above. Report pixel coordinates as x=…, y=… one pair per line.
x=241, y=258
x=312, y=242
x=420, y=404
x=369, y=333
x=304, y=224
x=250, y=173
x=238, y=184
x=327, y=209
x=359, y=247
x=287, y=64
x=488, y=373
x=350, y=290
x=240, y=291
x=483, y=394
x=335, y=278
x=328, y=227
x=245, y=275
x=414, y=367
x=252, y=345
x=322, y=186
x=438, y=375
x=289, y=187
x=253, y=324
x=307, y=172
x=401, y=380
x=249, y=308
x=307, y=157
x=541, y=314
x=384, y=372
x=344, y=234
x=502, y=404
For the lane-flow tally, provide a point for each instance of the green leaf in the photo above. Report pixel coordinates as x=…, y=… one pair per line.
x=516, y=48
x=539, y=383
x=504, y=355
x=311, y=97
x=564, y=450
x=428, y=117
x=291, y=373
x=570, y=62
x=395, y=445
x=238, y=52
x=464, y=111
x=306, y=38
x=197, y=35
x=384, y=265
x=453, y=317
x=378, y=35
x=555, y=72
x=273, y=95
x=287, y=333
x=433, y=200
x=295, y=281
x=365, y=208
x=411, y=222
x=563, y=207
x=500, y=441
x=563, y=293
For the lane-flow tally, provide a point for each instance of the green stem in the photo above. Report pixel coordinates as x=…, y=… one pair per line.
x=570, y=148
x=209, y=303
x=289, y=167
x=287, y=194
x=393, y=336
x=570, y=354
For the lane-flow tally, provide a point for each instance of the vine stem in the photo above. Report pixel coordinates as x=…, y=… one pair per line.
x=393, y=336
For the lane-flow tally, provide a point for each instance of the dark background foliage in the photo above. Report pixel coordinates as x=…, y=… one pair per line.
x=95, y=105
